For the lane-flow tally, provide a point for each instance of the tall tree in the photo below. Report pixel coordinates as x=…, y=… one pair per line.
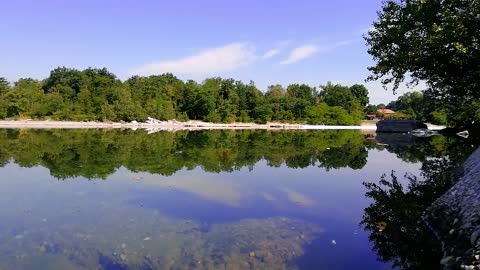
x=66, y=81
x=337, y=95
x=437, y=41
x=4, y=86
x=361, y=93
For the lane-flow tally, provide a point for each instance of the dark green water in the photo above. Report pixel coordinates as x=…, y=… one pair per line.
x=96, y=199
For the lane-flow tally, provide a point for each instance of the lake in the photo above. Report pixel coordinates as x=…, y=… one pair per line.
x=123, y=199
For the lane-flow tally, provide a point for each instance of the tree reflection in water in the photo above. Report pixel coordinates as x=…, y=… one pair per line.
x=395, y=217
x=99, y=153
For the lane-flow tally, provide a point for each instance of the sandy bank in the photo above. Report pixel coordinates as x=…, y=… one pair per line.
x=169, y=125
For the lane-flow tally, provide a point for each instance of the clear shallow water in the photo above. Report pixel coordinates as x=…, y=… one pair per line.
x=88, y=199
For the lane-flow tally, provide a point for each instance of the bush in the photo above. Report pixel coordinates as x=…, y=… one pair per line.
x=439, y=117
x=329, y=115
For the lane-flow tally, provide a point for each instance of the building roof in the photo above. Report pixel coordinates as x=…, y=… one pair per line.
x=385, y=111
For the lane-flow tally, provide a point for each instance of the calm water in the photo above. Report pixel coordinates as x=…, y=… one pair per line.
x=93, y=199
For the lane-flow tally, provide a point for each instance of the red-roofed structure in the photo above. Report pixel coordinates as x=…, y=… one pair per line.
x=385, y=111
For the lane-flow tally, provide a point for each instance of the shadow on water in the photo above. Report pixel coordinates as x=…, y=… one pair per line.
x=394, y=219
x=108, y=263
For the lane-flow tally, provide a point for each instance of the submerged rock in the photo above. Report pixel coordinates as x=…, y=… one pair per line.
x=123, y=257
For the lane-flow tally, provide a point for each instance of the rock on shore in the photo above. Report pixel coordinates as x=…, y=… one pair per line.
x=455, y=217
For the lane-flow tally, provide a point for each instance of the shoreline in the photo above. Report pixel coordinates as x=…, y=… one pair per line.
x=169, y=125
x=454, y=219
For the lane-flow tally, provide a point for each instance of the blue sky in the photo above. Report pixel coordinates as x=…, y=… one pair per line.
x=269, y=42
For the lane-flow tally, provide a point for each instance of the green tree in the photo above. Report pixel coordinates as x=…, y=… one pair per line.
x=343, y=97
x=56, y=106
x=25, y=99
x=3, y=108
x=191, y=104
x=299, y=98
x=65, y=81
x=126, y=108
x=411, y=103
x=276, y=96
x=262, y=113
x=337, y=95
x=361, y=93
x=439, y=117
x=276, y=91
x=329, y=115
x=4, y=86
x=302, y=92
x=103, y=87
x=433, y=41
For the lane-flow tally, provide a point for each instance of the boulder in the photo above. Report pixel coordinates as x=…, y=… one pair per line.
x=458, y=212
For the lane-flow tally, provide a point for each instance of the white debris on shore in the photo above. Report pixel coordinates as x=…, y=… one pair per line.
x=153, y=125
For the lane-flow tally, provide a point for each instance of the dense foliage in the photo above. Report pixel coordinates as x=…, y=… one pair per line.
x=97, y=94
x=417, y=105
x=436, y=41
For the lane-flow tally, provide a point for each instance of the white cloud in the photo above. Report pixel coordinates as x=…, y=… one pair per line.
x=344, y=43
x=210, y=61
x=279, y=46
x=300, y=53
x=271, y=53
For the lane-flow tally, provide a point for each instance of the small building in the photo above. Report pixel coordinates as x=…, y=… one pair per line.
x=371, y=116
x=387, y=113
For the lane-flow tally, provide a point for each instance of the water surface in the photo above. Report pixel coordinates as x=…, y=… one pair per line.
x=121, y=199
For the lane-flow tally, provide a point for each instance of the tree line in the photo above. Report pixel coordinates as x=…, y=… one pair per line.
x=97, y=94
